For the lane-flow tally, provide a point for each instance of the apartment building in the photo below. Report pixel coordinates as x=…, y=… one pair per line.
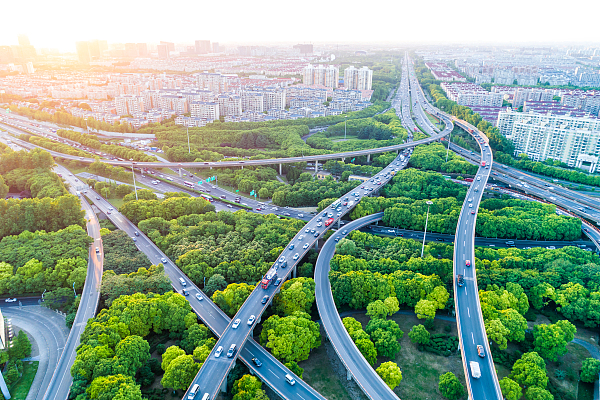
x=572, y=140
x=521, y=95
x=253, y=101
x=129, y=105
x=469, y=94
x=205, y=110
x=358, y=78
x=229, y=104
x=216, y=83
x=328, y=76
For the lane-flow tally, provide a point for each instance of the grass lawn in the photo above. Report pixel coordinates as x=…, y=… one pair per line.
x=20, y=388
x=116, y=202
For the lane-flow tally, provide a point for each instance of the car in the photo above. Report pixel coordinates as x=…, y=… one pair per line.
x=287, y=214
x=379, y=183
x=468, y=263
x=316, y=234
x=231, y=351
x=229, y=205
x=330, y=214
x=108, y=212
x=320, y=224
x=300, y=237
x=307, y=230
x=291, y=247
x=337, y=239
x=277, y=282
x=472, y=212
x=134, y=239
x=300, y=215
x=344, y=232
x=236, y=323
x=296, y=256
x=460, y=280
x=256, y=362
x=97, y=197
x=258, y=209
x=9, y=300
x=480, y=351
x=219, y=352
x=470, y=205
x=199, y=296
x=319, y=219
x=478, y=178
x=251, y=320
x=312, y=231
x=265, y=299
x=305, y=246
x=163, y=260
x=281, y=259
x=345, y=203
x=339, y=214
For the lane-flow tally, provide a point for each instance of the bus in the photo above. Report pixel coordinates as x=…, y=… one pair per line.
x=188, y=184
x=336, y=204
x=207, y=198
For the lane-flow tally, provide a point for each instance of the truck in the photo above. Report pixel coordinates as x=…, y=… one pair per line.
x=329, y=222
x=269, y=277
x=470, y=130
x=475, y=371
x=483, y=163
x=460, y=280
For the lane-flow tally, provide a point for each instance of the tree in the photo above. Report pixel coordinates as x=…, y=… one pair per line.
x=111, y=387
x=231, y=299
x=419, y=334
x=377, y=309
x=195, y=335
x=345, y=246
x=131, y=353
x=386, y=343
x=390, y=373
x=426, y=309
x=537, y=393
x=248, y=387
x=291, y=338
x=169, y=355
x=297, y=294
x=440, y=296
x=590, y=368
x=216, y=283
x=510, y=389
x=295, y=368
x=450, y=387
x=180, y=373
x=367, y=349
x=21, y=346
x=3, y=188
x=201, y=353
x=530, y=370
x=550, y=341
x=497, y=333
x=392, y=304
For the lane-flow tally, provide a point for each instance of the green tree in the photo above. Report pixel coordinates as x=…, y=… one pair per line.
x=377, y=309
x=426, y=309
x=231, y=299
x=295, y=368
x=169, y=355
x=21, y=346
x=3, y=188
x=510, y=389
x=390, y=373
x=450, y=387
x=296, y=294
x=180, y=373
x=590, y=368
x=550, y=341
x=248, y=387
x=537, y=393
x=131, y=353
x=111, y=387
x=392, y=304
x=291, y=338
x=216, y=283
x=497, y=333
x=345, y=246
x=530, y=370
x=367, y=349
x=419, y=334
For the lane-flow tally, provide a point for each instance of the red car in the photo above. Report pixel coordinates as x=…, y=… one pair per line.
x=329, y=222
x=468, y=263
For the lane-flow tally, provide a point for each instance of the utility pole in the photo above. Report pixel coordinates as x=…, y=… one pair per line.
x=134, y=186
x=429, y=203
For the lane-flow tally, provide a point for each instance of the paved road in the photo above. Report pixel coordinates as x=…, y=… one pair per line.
x=594, y=352
x=364, y=375
x=471, y=328
x=49, y=331
x=58, y=388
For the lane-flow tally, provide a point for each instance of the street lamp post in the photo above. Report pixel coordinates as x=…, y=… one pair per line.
x=429, y=203
x=448, y=148
x=187, y=128
x=74, y=289
x=134, y=185
x=345, y=120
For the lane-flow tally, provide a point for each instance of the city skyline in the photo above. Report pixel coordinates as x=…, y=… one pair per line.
x=514, y=22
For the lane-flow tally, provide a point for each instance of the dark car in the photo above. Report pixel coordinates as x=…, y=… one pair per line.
x=460, y=280
x=256, y=362
x=265, y=299
x=480, y=351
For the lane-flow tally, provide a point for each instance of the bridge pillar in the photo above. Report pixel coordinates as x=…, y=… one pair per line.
x=317, y=245
x=224, y=385
x=242, y=167
x=368, y=158
x=294, y=271
x=397, y=151
x=343, y=159
x=257, y=320
x=316, y=166
x=279, y=169
x=180, y=173
x=348, y=375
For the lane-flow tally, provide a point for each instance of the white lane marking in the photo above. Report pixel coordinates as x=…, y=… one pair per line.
x=465, y=243
x=472, y=337
x=469, y=312
x=301, y=397
x=277, y=376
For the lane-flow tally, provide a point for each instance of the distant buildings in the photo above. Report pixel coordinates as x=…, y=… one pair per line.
x=163, y=51
x=203, y=46
x=442, y=72
x=304, y=48
x=572, y=140
x=470, y=94
x=358, y=79
x=327, y=76
x=83, y=52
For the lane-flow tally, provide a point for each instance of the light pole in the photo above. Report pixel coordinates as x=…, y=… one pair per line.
x=74, y=289
x=345, y=120
x=429, y=203
x=448, y=148
x=133, y=173
x=187, y=129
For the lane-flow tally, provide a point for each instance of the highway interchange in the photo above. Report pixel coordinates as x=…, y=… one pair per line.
x=471, y=330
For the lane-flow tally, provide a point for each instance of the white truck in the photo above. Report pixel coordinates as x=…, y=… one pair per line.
x=475, y=371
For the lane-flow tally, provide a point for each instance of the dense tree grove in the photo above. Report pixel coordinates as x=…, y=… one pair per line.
x=432, y=157
x=121, y=254
x=56, y=146
x=171, y=208
x=290, y=338
x=450, y=387
x=296, y=294
x=235, y=247
x=151, y=280
x=361, y=338
x=114, y=350
x=310, y=192
x=232, y=297
x=248, y=387
x=92, y=141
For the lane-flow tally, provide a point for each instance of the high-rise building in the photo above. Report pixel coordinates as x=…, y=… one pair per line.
x=358, y=79
x=6, y=54
x=572, y=140
x=206, y=110
x=83, y=52
x=163, y=51
x=328, y=76
x=23, y=40
x=304, y=48
x=142, y=49
x=203, y=46
x=170, y=45
x=29, y=67
x=131, y=50
x=129, y=105
x=229, y=105
x=215, y=47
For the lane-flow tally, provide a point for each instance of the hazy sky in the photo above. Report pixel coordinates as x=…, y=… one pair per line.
x=59, y=23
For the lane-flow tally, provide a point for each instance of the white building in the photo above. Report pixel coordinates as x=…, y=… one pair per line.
x=328, y=76
x=358, y=79
x=129, y=105
x=522, y=95
x=469, y=94
x=574, y=141
x=205, y=110
x=229, y=105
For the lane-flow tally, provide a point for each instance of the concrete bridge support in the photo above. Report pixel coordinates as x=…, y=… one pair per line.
x=348, y=375
x=368, y=158
x=316, y=166
x=224, y=386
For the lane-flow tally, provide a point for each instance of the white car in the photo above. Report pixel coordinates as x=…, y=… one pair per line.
x=236, y=323
x=251, y=320
x=305, y=246
x=296, y=256
x=9, y=300
x=281, y=259
x=219, y=351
